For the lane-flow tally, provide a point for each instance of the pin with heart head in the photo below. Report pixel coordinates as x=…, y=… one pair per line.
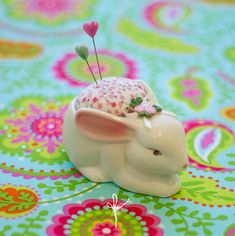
x=91, y=29
x=82, y=51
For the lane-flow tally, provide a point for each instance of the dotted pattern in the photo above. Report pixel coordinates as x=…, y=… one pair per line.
x=111, y=95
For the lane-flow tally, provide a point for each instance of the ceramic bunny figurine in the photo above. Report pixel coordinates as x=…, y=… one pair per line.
x=116, y=132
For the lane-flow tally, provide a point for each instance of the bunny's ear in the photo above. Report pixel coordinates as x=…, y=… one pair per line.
x=102, y=126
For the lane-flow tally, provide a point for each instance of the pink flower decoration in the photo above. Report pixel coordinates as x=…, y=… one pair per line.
x=93, y=217
x=37, y=130
x=145, y=106
x=91, y=28
x=188, y=82
x=106, y=229
x=70, y=69
x=191, y=93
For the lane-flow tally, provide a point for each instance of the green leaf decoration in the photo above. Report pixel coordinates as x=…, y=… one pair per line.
x=36, y=226
x=48, y=191
x=43, y=213
x=181, y=209
x=230, y=179
x=144, y=114
x=201, y=85
x=62, y=186
x=230, y=155
x=208, y=223
x=158, y=206
x=194, y=213
x=204, y=191
x=207, y=215
x=137, y=195
x=121, y=194
x=221, y=217
x=169, y=213
x=12, y=208
x=135, y=102
x=31, y=223
x=169, y=204
x=158, y=108
x=192, y=233
x=82, y=51
x=231, y=163
x=177, y=221
x=197, y=224
x=5, y=229
x=182, y=215
x=5, y=196
x=206, y=231
x=22, y=225
x=182, y=229
x=146, y=200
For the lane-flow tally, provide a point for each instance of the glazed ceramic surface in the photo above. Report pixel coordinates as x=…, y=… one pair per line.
x=136, y=147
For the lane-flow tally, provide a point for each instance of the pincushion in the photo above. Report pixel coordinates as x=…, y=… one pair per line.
x=114, y=95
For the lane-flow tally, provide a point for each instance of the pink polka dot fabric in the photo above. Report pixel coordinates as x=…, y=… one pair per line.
x=112, y=95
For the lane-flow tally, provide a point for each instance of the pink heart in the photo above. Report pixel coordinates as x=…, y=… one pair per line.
x=91, y=28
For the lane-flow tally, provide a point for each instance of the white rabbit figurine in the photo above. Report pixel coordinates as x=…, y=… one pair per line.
x=116, y=132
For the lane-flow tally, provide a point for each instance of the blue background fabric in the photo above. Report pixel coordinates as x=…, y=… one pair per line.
x=184, y=50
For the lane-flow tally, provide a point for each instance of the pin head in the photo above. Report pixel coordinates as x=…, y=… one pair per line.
x=91, y=28
x=82, y=51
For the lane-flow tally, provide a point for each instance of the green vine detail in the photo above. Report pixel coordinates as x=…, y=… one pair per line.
x=61, y=186
x=35, y=173
x=17, y=205
x=70, y=196
x=231, y=155
x=135, y=102
x=8, y=200
x=180, y=214
x=31, y=223
x=230, y=178
x=5, y=229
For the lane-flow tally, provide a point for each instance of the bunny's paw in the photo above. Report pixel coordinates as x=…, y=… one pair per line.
x=95, y=174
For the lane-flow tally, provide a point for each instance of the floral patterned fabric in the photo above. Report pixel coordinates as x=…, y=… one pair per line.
x=184, y=50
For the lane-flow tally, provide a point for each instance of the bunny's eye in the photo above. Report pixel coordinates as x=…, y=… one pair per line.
x=156, y=152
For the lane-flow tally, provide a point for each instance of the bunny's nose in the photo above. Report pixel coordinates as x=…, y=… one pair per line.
x=185, y=166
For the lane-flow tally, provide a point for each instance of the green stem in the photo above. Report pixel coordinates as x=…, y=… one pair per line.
x=93, y=40
x=56, y=200
x=70, y=196
x=29, y=225
x=156, y=200
x=91, y=71
x=181, y=216
x=201, y=194
x=62, y=185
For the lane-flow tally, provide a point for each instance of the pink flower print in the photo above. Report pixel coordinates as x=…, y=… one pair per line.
x=188, y=82
x=35, y=130
x=189, y=93
x=76, y=73
x=145, y=107
x=49, y=12
x=106, y=229
x=192, y=94
x=208, y=139
x=111, y=95
x=91, y=217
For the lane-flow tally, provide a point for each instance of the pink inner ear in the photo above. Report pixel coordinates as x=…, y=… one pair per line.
x=103, y=127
